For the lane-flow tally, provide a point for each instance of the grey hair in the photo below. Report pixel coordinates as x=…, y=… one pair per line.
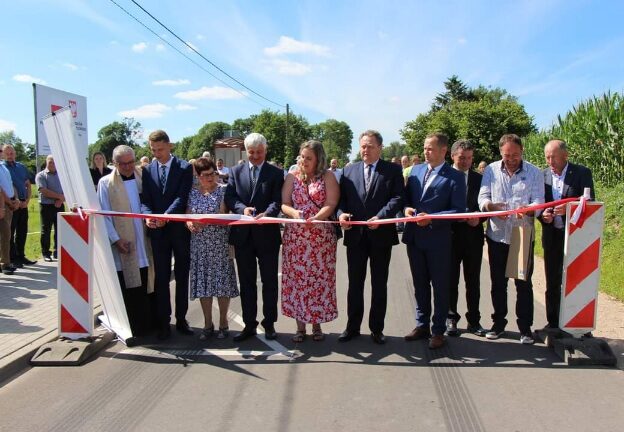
x=121, y=150
x=462, y=144
x=255, y=139
x=561, y=144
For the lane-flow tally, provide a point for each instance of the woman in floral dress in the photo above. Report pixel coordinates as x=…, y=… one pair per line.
x=212, y=270
x=309, y=250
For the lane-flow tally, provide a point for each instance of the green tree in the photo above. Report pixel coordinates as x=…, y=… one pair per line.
x=114, y=134
x=181, y=149
x=24, y=152
x=336, y=137
x=205, y=138
x=482, y=118
x=394, y=149
x=272, y=125
x=456, y=90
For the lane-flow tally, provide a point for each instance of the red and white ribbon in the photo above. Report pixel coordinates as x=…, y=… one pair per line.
x=237, y=219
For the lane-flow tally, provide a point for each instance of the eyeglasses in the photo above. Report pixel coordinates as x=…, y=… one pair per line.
x=208, y=175
x=125, y=164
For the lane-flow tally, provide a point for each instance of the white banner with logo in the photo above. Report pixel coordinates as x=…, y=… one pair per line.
x=49, y=100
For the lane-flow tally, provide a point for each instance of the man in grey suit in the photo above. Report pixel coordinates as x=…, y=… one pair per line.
x=562, y=179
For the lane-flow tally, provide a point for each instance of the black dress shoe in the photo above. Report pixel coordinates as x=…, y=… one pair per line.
x=8, y=271
x=183, y=327
x=26, y=261
x=269, y=333
x=245, y=334
x=477, y=330
x=17, y=264
x=378, y=338
x=451, y=327
x=347, y=335
x=164, y=333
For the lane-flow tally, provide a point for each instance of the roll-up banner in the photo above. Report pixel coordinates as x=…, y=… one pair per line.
x=49, y=100
x=79, y=191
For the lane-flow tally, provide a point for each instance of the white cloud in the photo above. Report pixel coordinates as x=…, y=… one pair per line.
x=160, y=47
x=139, y=47
x=200, y=37
x=156, y=110
x=462, y=41
x=70, y=66
x=214, y=92
x=113, y=42
x=287, y=67
x=185, y=107
x=171, y=82
x=28, y=79
x=288, y=45
x=192, y=46
x=6, y=125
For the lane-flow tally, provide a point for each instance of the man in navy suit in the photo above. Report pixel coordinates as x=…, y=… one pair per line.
x=562, y=179
x=467, y=240
x=432, y=187
x=255, y=189
x=167, y=182
x=369, y=190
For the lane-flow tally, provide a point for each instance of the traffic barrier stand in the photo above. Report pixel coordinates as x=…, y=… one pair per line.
x=573, y=341
x=77, y=341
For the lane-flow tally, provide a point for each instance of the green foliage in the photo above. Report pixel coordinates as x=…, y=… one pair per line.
x=336, y=137
x=24, y=152
x=394, y=149
x=114, y=134
x=181, y=149
x=205, y=138
x=593, y=130
x=481, y=115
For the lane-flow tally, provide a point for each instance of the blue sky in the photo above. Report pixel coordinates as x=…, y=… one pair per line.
x=373, y=64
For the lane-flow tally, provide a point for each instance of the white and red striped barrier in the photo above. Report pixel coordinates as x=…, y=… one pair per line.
x=581, y=267
x=75, y=292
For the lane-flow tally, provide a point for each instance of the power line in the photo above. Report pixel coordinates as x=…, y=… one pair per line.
x=187, y=57
x=202, y=56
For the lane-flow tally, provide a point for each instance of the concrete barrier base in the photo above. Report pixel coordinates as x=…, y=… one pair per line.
x=583, y=351
x=67, y=352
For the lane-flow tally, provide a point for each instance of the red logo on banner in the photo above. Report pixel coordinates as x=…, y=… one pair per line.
x=74, y=108
x=54, y=108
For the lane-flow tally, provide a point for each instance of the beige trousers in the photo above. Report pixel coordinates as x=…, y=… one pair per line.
x=5, y=237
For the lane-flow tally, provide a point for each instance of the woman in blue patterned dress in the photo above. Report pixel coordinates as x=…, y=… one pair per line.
x=212, y=270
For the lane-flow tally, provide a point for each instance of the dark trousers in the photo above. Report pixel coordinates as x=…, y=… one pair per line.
x=430, y=268
x=357, y=259
x=248, y=259
x=552, y=242
x=467, y=248
x=19, y=229
x=174, y=240
x=497, y=253
x=137, y=304
x=48, y=221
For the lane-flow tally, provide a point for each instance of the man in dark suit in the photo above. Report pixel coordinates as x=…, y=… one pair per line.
x=166, y=183
x=369, y=190
x=255, y=189
x=467, y=246
x=562, y=179
x=432, y=187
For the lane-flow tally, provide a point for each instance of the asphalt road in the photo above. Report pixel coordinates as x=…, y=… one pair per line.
x=185, y=384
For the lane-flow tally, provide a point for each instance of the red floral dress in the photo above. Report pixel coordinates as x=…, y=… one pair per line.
x=309, y=260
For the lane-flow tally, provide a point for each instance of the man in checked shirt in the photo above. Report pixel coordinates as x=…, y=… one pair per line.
x=508, y=184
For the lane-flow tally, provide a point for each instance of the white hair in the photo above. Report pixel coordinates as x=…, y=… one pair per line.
x=254, y=140
x=121, y=150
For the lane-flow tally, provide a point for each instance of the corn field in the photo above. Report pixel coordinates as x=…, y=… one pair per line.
x=593, y=130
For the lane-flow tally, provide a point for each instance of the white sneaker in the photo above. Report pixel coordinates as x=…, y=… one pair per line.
x=494, y=334
x=527, y=339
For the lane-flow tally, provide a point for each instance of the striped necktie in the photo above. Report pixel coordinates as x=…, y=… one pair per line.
x=427, y=174
x=367, y=181
x=163, y=177
x=254, y=176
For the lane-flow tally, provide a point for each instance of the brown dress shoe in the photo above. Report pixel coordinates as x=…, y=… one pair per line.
x=436, y=341
x=418, y=333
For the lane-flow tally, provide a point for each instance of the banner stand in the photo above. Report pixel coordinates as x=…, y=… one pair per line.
x=573, y=341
